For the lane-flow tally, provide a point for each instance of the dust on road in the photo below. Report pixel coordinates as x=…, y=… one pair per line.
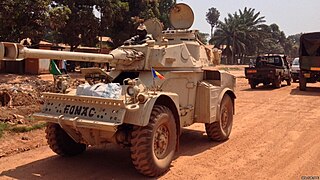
x=275, y=136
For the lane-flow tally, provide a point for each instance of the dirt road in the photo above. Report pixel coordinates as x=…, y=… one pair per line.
x=276, y=135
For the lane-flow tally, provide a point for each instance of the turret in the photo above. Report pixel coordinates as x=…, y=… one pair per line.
x=177, y=49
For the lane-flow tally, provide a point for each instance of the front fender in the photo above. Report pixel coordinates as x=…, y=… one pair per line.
x=140, y=116
x=229, y=92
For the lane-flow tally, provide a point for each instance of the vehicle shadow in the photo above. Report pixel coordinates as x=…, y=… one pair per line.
x=310, y=91
x=193, y=142
x=263, y=88
x=95, y=163
x=111, y=162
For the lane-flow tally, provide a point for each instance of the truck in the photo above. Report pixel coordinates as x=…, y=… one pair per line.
x=309, y=59
x=153, y=90
x=271, y=68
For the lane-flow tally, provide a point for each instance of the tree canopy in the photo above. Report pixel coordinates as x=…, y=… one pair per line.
x=77, y=22
x=245, y=33
x=212, y=18
x=23, y=18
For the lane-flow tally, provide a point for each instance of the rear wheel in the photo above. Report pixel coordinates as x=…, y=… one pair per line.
x=294, y=80
x=153, y=146
x=288, y=81
x=302, y=83
x=252, y=84
x=61, y=143
x=277, y=82
x=220, y=130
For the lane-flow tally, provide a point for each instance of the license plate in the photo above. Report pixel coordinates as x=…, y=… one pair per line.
x=251, y=71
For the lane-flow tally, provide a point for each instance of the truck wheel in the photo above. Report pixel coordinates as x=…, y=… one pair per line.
x=252, y=85
x=288, y=82
x=153, y=146
x=302, y=83
x=220, y=130
x=277, y=82
x=294, y=80
x=61, y=143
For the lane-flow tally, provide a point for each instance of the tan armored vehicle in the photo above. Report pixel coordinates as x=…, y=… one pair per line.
x=131, y=105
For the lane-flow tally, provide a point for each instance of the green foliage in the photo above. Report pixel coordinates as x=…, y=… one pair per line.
x=212, y=18
x=21, y=129
x=230, y=68
x=23, y=18
x=58, y=17
x=120, y=18
x=203, y=37
x=3, y=127
x=74, y=22
x=81, y=26
x=245, y=34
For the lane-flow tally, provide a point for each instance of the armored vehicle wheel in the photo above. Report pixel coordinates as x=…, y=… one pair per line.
x=61, y=143
x=220, y=131
x=153, y=146
x=277, y=82
x=302, y=83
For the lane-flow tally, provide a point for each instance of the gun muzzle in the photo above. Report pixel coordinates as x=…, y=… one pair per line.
x=10, y=51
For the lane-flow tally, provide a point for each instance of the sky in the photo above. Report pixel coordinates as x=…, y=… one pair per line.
x=292, y=16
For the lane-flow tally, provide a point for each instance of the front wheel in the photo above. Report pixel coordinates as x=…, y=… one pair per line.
x=252, y=84
x=302, y=83
x=220, y=130
x=61, y=143
x=277, y=82
x=289, y=82
x=153, y=146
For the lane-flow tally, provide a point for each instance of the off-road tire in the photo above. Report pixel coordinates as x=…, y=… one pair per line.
x=288, y=81
x=61, y=143
x=266, y=84
x=277, y=82
x=151, y=155
x=294, y=80
x=220, y=130
x=252, y=85
x=302, y=83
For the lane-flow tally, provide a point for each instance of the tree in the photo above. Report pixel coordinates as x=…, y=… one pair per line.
x=237, y=32
x=23, y=19
x=58, y=17
x=82, y=27
x=164, y=8
x=203, y=37
x=119, y=19
x=212, y=17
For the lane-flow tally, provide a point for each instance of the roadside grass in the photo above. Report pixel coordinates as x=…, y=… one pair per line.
x=20, y=129
x=3, y=127
x=230, y=68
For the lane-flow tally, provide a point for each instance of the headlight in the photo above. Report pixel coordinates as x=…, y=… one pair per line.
x=142, y=98
x=133, y=90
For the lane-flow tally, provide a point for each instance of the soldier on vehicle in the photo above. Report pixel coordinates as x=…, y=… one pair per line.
x=141, y=36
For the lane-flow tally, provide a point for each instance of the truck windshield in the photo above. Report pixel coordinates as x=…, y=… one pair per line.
x=295, y=61
x=268, y=60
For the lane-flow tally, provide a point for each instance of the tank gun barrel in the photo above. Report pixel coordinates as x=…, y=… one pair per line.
x=15, y=51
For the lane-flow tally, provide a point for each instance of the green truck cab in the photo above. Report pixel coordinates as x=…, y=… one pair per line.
x=309, y=57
